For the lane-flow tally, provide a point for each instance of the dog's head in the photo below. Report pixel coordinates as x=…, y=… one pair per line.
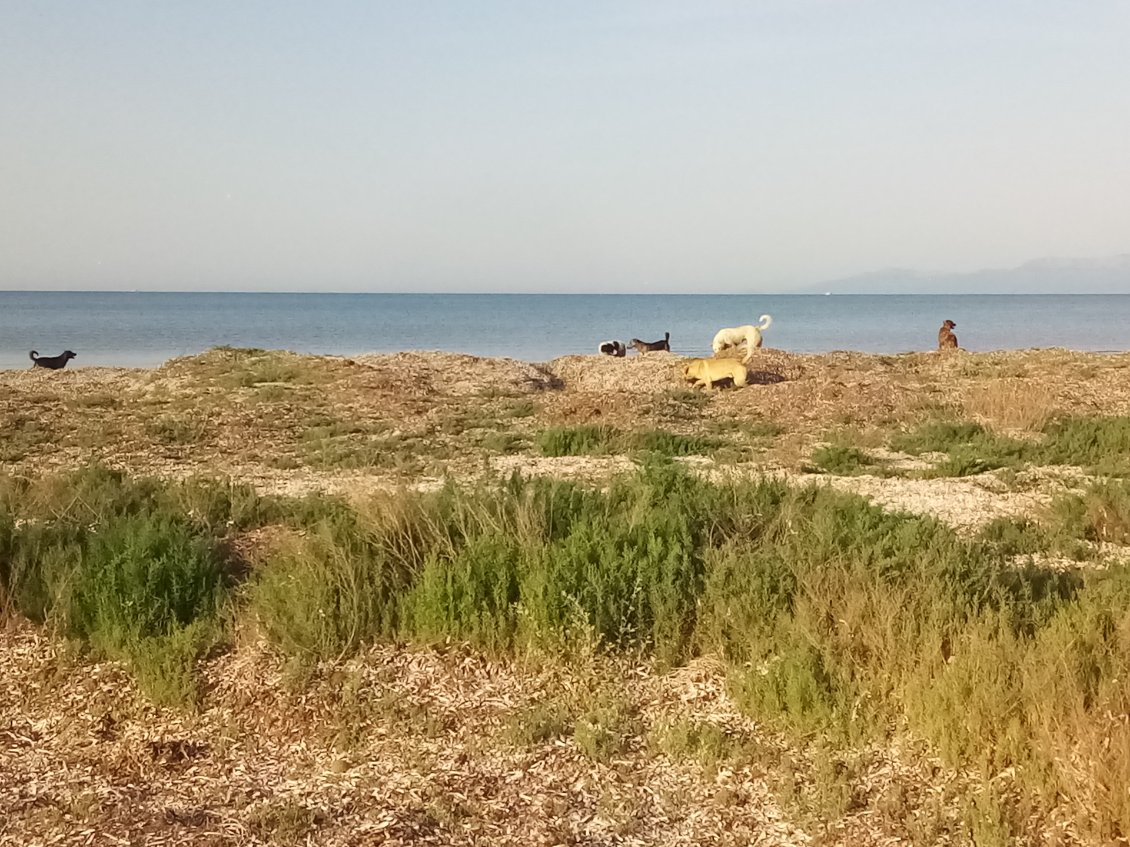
x=948, y=325
x=70, y=354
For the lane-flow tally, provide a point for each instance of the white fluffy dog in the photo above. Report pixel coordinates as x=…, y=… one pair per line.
x=749, y=335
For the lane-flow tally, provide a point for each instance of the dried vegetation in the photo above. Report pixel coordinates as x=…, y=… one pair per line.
x=434, y=707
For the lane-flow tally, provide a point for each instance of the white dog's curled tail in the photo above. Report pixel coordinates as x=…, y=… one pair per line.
x=766, y=320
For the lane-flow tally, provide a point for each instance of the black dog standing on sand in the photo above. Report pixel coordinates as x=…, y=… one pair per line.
x=55, y=363
x=652, y=346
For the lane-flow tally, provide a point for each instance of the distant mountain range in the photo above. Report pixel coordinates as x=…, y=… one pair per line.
x=1040, y=276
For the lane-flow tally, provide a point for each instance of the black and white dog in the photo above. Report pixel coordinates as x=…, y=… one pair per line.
x=55, y=363
x=613, y=348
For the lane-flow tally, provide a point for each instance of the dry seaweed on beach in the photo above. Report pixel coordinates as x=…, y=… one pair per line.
x=460, y=375
x=396, y=746
x=442, y=744
x=289, y=423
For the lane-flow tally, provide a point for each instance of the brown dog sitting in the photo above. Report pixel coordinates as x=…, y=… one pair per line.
x=946, y=339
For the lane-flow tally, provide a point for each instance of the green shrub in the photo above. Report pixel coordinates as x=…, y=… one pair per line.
x=684, y=738
x=166, y=665
x=136, y=583
x=217, y=507
x=577, y=440
x=1100, y=514
x=633, y=583
x=761, y=429
x=506, y=443
x=671, y=443
x=602, y=440
x=839, y=460
x=39, y=560
x=326, y=595
x=970, y=448
x=1099, y=442
x=835, y=617
x=471, y=597
x=745, y=594
x=142, y=577
x=938, y=436
x=1015, y=536
x=966, y=462
x=539, y=723
x=794, y=685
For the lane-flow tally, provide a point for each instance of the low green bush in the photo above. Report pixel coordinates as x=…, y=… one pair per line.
x=1094, y=442
x=605, y=440
x=577, y=440
x=472, y=596
x=839, y=460
x=838, y=620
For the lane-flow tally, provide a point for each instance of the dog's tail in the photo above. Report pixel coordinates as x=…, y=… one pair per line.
x=667, y=338
x=766, y=322
x=33, y=355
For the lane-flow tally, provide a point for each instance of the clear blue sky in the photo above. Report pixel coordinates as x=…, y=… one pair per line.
x=498, y=146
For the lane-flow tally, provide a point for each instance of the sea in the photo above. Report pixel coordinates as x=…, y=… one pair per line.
x=144, y=329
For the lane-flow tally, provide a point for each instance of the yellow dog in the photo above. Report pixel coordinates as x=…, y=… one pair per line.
x=706, y=372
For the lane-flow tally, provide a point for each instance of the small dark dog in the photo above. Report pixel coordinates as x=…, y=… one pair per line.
x=946, y=339
x=652, y=346
x=613, y=348
x=55, y=363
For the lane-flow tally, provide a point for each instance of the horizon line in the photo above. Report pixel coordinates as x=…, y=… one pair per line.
x=574, y=293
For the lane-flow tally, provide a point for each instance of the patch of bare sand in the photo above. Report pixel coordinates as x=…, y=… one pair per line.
x=963, y=504
x=588, y=468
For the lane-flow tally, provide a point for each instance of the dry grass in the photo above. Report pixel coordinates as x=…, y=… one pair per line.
x=1010, y=405
x=289, y=423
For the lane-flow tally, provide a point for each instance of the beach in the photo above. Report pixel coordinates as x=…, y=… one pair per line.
x=292, y=424
x=529, y=722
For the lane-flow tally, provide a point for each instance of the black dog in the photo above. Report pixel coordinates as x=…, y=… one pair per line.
x=55, y=363
x=612, y=348
x=652, y=346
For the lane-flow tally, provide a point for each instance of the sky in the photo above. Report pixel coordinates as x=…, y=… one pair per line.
x=756, y=146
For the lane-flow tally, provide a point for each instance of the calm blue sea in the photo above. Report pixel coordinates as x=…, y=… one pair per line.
x=146, y=328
